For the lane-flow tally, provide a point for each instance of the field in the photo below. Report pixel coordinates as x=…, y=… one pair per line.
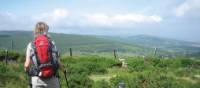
x=105, y=72
x=101, y=45
x=93, y=64
x=89, y=44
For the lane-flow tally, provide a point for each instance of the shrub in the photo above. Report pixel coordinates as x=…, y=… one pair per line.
x=151, y=80
x=101, y=84
x=10, y=73
x=79, y=81
x=88, y=64
x=185, y=62
x=12, y=55
x=136, y=64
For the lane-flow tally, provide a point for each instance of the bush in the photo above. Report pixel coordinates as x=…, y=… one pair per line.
x=89, y=64
x=185, y=62
x=80, y=67
x=141, y=73
x=136, y=64
x=79, y=81
x=12, y=55
x=3, y=68
x=10, y=73
x=151, y=80
x=101, y=84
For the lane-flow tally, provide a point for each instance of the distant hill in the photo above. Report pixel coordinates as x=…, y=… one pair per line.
x=79, y=43
x=19, y=39
x=169, y=45
x=91, y=44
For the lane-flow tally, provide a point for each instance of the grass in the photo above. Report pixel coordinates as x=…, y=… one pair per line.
x=112, y=72
x=103, y=72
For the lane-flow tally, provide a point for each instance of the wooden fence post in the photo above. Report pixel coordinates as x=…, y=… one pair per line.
x=70, y=51
x=155, y=52
x=6, y=56
x=12, y=44
x=115, y=54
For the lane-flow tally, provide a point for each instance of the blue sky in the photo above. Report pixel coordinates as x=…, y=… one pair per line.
x=178, y=19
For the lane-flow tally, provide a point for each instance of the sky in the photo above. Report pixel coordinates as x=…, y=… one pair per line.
x=176, y=19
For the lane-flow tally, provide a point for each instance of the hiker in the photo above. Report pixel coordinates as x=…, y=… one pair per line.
x=42, y=59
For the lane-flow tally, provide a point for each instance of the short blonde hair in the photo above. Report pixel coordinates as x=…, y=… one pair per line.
x=41, y=28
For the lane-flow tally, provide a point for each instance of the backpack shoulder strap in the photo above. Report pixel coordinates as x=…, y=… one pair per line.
x=34, y=55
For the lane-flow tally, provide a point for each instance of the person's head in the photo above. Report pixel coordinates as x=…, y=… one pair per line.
x=41, y=28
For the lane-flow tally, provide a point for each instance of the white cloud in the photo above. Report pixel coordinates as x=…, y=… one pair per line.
x=121, y=19
x=61, y=19
x=53, y=17
x=187, y=6
x=10, y=21
x=97, y=19
x=60, y=13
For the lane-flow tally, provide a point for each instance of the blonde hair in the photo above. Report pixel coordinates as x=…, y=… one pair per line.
x=41, y=28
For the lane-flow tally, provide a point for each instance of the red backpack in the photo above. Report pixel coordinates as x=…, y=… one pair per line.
x=42, y=57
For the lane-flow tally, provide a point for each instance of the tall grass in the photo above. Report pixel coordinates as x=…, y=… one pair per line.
x=150, y=72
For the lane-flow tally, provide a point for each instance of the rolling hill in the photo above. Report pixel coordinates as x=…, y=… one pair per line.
x=92, y=44
x=165, y=44
x=81, y=44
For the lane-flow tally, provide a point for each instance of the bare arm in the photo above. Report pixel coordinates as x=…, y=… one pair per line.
x=28, y=59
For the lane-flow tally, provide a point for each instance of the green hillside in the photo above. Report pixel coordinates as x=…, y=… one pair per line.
x=170, y=45
x=81, y=44
x=95, y=45
x=87, y=70
x=19, y=38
